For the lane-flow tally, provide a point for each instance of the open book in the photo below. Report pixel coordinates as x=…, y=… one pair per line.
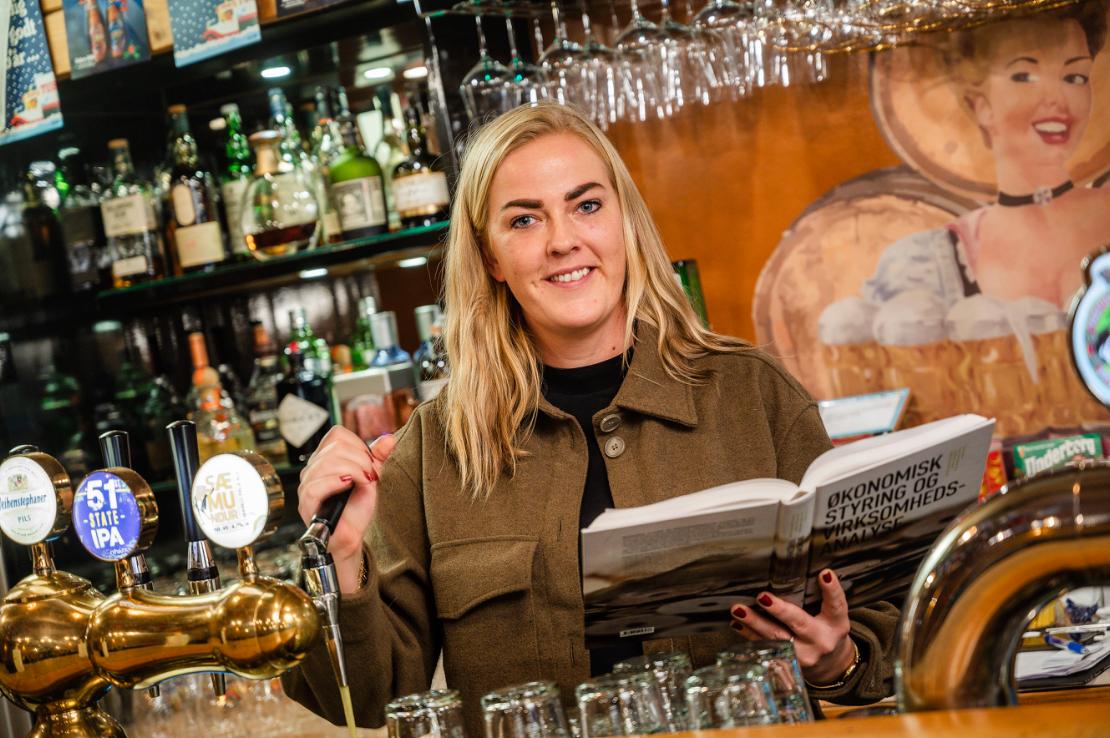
x=869, y=510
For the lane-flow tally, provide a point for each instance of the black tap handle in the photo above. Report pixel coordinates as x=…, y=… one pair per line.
x=183, y=448
x=115, y=449
x=24, y=448
x=331, y=509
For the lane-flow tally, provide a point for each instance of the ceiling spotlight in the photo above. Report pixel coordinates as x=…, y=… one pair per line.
x=276, y=72
x=416, y=261
x=419, y=72
x=378, y=73
x=313, y=273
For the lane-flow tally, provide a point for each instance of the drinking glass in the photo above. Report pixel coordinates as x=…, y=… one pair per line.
x=791, y=34
x=621, y=704
x=642, y=49
x=483, y=89
x=785, y=676
x=669, y=669
x=730, y=696
x=531, y=710
x=723, y=18
x=602, y=68
x=434, y=714
x=562, y=65
x=525, y=82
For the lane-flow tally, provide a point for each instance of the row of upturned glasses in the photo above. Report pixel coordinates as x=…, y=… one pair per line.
x=755, y=684
x=650, y=69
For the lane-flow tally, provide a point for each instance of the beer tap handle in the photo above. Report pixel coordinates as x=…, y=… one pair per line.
x=202, y=574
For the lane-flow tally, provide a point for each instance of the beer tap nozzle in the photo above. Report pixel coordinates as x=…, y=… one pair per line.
x=202, y=574
x=320, y=579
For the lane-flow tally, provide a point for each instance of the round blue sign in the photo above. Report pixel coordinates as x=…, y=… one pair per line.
x=106, y=516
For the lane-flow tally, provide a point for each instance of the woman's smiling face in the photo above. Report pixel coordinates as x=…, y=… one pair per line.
x=556, y=238
x=1036, y=101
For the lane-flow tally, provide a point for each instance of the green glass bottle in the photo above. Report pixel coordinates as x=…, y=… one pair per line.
x=315, y=349
x=686, y=273
x=362, y=340
x=357, y=187
x=197, y=239
x=234, y=180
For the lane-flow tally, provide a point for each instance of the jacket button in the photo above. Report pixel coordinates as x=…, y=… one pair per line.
x=610, y=423
x=614, y=447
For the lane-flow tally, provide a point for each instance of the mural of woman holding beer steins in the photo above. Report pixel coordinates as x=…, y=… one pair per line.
x=963, y=296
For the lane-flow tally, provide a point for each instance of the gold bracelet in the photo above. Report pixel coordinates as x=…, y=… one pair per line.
x=843, y=677
x=363, y=573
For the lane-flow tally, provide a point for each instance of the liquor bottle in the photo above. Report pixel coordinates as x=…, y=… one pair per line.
x=262, y=398
x=117, y=31
x=383, y=326
x=98, y=34
x=236, y=177
x=280, y=213
x=47, y=268
x=293, y=152
x=390, y=147
x=686, y=272
x=325, y=146
x=419, y=183
x=130, y=224
x=362, y=340
x=357, y=188
x=82, y=227
x=198, y=242
x=315, y=349
x=304, y=405
x=61, y=432
x=220, y=428
x=430, y=360
x=161, y=406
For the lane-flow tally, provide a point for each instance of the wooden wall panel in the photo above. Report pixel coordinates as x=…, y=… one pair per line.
x=725, y=181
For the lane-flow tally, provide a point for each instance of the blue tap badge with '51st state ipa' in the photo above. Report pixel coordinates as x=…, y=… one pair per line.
x=106, y=516
x=1090, y=327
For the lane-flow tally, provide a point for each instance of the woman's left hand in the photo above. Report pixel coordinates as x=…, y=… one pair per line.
x=821, y=642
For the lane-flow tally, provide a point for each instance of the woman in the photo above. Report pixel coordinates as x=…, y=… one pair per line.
x=581, y=379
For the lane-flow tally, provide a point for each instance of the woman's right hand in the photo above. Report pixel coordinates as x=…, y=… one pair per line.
x=343, y=460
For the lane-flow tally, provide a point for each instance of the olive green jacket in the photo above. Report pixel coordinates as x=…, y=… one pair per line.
x=495, y=583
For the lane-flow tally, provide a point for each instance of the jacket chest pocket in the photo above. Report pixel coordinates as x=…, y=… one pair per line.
x=485, y=598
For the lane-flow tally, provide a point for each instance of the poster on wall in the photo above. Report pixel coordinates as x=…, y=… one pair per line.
x=953, y=274
x=206, y=28
x=105, y=34
x=28, y=91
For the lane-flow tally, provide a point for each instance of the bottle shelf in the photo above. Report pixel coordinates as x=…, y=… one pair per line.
x=344, y=257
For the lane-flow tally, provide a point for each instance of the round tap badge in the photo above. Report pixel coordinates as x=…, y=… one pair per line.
x=1090, y=328
x=230, y=501
x=28, y=505
x=106, y=516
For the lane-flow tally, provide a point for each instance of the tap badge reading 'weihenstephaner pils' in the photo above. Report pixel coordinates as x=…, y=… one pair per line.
x=28, y=505
x=230, y=501
x=1090, y=327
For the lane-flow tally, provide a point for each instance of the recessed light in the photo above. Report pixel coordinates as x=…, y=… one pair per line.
x=416, y=261
x=313, y=273
x=378, y=73
x=275, y=72
x=415, y=72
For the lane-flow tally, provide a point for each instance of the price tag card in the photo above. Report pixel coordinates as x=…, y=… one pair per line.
x=863, y=415
x=28, y=503
x=107, y=516
x=237, y=498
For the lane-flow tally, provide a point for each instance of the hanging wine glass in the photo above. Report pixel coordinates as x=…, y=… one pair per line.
x=483, y=88
x=642, y=47
x=562, y=65
x=525, y=82
x=602, y=67
x=723, y=18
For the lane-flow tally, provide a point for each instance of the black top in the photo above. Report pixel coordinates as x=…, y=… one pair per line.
x=582, y=392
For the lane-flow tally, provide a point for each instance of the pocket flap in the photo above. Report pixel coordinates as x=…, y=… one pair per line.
x=469, y=572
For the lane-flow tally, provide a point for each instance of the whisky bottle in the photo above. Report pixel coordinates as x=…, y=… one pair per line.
x=430, y=359
x=325, y=145
x=235, y=179
x=262, y=398
x=82, y=227
x=280, y=212
x=419, y=182
x=362, y=340
x=198, y=241
x=357, y=187
x=304, y=405
x=130, y=224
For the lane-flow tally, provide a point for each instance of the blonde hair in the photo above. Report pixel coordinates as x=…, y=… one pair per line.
x=492, y=398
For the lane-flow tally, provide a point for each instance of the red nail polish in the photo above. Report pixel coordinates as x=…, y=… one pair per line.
x=827, y=577
x=371, y=476
x=738, y=627
x=345, y=478
x=739, y=612
x=765, y=600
